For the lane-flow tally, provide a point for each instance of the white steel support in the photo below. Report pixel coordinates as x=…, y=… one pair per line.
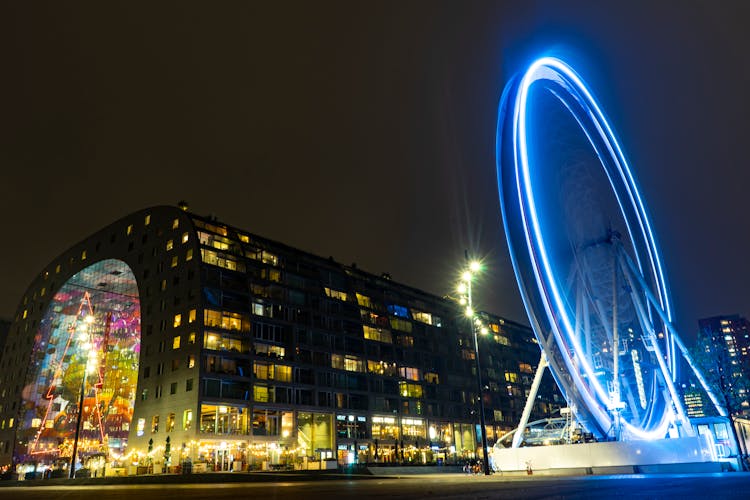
x=675, y=396
x=518, y=436
x=633, y=271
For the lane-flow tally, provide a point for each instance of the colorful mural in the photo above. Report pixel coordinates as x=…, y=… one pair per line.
x=81, y=383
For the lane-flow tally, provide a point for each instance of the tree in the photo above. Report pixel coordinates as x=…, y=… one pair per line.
x=167, y=451
x=724, y=373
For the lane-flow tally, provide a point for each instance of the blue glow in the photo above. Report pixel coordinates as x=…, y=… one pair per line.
x=547, y=294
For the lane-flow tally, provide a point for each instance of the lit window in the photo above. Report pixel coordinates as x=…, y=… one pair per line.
x=44, y=290
x=175, y=260
x=191, y=316
x=176, y=342
x=170, y=245
x=191, y=361
x=189, y=255
x=175, y=223
x=185, y=237
x=364, y=301
x=57, y=269
x=170, y=422
x=408, y=390
x=409, y=373
x=177, y=320
x=141, y=426
x=147, y=220
x=155, y=423
x=401, y=324
x=378, y=334
x=397, y=310
x=336, y=294
x=260, y=393
x=129, y=230
x=83, y=255
x=191, y=338
x=422, y=317
x=163, y=285
x=187, y=419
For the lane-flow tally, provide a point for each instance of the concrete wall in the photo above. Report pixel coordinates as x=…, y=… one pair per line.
x=610, y=455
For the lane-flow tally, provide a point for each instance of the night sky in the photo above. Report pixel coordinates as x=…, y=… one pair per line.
x=364, y=130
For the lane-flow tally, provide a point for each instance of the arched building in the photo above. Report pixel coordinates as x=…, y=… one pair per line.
x=244, y=352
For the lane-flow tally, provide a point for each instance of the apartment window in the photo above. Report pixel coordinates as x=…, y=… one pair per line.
x=160, y=368
x=185, y=237
x=83, y=255
x=155, y=424
x=177, y=320
x=147, y=220
x=189, y=255
x=157, y=392
x=187, y=420
x=191, y=338
x=173, y=388
x=364, y=301
x=188, y=385
x=170, y=422
x=141, y=426
x=129, y=230
x=175, y=223
x=410, y=390
x=175, y=365
x=377, y=334
x=170, y=245
x=191, y=315
x=409, y=373
x=175, y=261
x=163, y=285
x=176, y=342
x=191, y=361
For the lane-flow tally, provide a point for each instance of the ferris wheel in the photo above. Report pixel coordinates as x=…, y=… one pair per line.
x=586, y=260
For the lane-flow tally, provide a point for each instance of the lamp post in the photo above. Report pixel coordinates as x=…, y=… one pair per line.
x=87, y=345
x=464, y=288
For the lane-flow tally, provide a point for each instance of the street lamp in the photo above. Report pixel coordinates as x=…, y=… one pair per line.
x=464, y=288
x=86, y=340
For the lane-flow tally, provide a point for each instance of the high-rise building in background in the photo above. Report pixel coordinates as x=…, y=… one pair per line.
x=169, y=336
x=732, y=332
x=727, y=339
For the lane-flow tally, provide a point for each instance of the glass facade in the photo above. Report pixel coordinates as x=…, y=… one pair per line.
x=84, y=368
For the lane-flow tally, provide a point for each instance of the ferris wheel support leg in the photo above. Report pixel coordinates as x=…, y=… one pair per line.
x=633, y=277
x=720, y=408
x=518, y=436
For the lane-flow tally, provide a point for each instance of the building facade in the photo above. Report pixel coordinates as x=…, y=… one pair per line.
x=727, y=338
x=169, y=337
x=4, y=329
